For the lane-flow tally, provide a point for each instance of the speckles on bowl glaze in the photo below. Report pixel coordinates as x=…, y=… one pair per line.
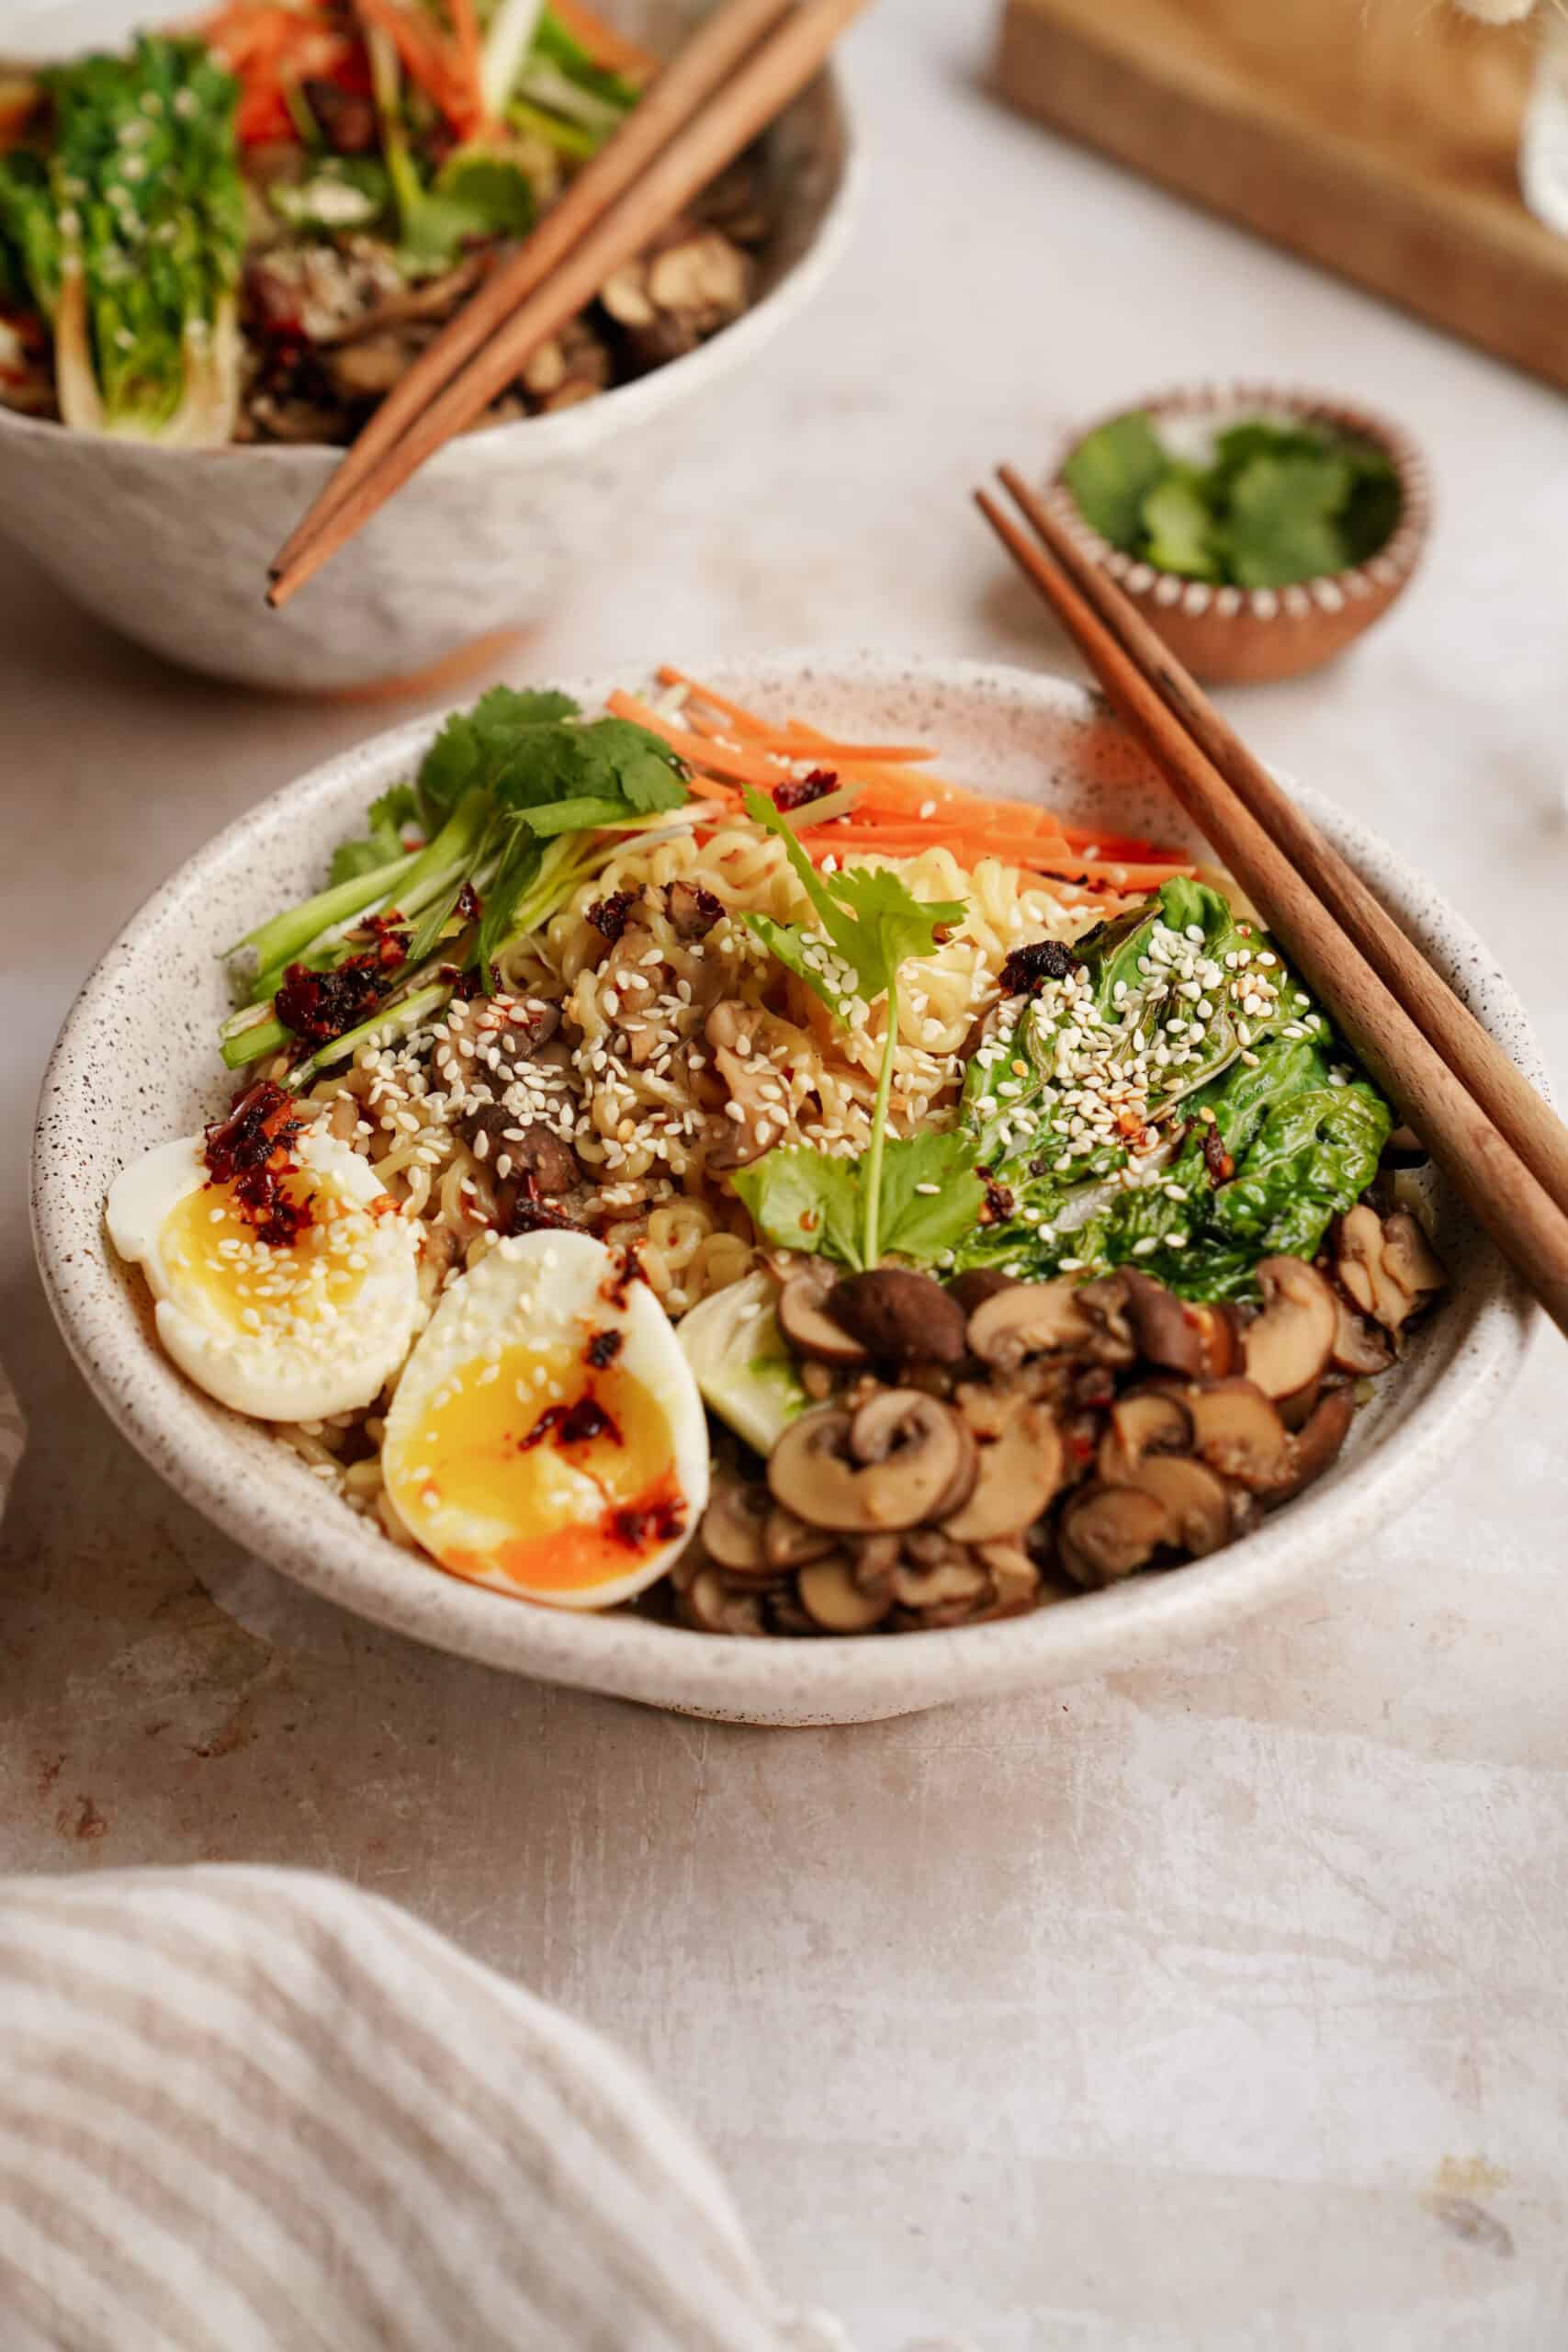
x=136, y=1063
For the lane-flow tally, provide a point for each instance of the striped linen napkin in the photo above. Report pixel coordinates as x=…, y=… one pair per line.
x=257, y=2111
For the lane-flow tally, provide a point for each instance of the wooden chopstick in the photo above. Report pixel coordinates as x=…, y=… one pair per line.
x=713, y=130
x=1514, y=1208
x=708, y=58
x=1503, y=1093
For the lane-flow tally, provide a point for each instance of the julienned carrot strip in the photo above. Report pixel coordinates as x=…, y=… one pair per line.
x=424, y=55
x=603, y=44
x=744, y=767
x=469, y=52
x=741, y=720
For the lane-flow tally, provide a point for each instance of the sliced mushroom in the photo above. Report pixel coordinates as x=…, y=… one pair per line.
x=900, y=1316
x=1288, y=1345
x=807, y=1325
x=692, y=911
x=1110, y=1340
x=1318, y=1444
x=1386, y=1264
x=1017, y=1475
x=875, y=1558
x=833, y=1598
x=1028, y=1319
x=1196, y=1504
x=1359, y=1346
x=974, y=1287
x=1146, y=1421
x=1015, y=1578
x=789, y=1543
x=733, y=1528
x=959, y=1581
x=713, y=1607
x=883, y=1466
x=1176, y=1333
x=1108, y=1531
x=1238, y=1432
x=918, y=1455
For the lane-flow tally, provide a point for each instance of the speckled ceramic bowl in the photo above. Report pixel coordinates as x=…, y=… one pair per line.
x=172, y=546
x=136, y=1063
x=1241, y=636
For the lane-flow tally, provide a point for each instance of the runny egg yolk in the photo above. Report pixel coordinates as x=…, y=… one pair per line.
x=216, y=1256
x=536, y=1440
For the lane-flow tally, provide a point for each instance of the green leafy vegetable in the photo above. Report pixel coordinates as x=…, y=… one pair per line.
x=814, y=1203
x=1231, y=1128
x=128, y=239
x=872, y=924
x=742, y=1361
x=1112, y=472
x=476, y=194
x=1275, y=502
x=382, y=841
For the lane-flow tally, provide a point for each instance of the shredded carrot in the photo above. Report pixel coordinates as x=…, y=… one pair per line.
x=425, y=56
x=604, y=45
x=469, y=54
x=698, y=751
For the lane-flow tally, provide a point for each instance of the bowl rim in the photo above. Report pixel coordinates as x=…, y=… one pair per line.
x=831, y=1679
x=1379, y=577
x=569, y=431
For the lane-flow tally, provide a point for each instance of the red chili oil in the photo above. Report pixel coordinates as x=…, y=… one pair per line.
x=1029, y=967
x=657, y=1523
x=575, y=1424
x=610, y=915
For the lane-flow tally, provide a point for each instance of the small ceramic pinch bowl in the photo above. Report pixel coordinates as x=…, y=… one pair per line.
x=172, y=546
x=137, y=1063
x=1252, y=636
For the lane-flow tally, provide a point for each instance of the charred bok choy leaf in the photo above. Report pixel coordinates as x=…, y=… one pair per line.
x=518, y=801
x=127, y=237
x=917, y=1195
x=1175, y=1101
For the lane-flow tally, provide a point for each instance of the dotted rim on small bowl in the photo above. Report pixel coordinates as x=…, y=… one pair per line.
x=1329, y=591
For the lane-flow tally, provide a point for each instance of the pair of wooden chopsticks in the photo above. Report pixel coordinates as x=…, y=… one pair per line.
x=742, y=68
x=1494, y=1138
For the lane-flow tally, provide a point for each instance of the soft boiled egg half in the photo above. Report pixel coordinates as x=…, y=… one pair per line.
x=288, y=1330
x=547, y=1437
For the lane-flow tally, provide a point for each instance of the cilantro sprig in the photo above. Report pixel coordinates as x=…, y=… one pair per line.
x=518, y=801
x=856, y=1210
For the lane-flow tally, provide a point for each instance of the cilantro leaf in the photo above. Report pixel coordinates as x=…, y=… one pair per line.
x=475, y=746
x=1179, y=528
x=382, y=842
x=1111, y=472
x=873, y=922
x=804, y=1200
x=1281, y=526
x=814, y=1203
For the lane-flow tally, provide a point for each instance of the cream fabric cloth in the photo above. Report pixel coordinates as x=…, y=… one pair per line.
x=255, y=2111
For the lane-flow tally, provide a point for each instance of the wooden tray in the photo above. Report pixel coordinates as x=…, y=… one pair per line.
x=1377, y=137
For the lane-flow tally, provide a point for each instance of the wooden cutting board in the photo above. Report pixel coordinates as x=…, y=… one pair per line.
x=1377, y=137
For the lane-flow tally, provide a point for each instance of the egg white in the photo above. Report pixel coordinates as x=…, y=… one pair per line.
x=280, y=1358
x=523, y=1316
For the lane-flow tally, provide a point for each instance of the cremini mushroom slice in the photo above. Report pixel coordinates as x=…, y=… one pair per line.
x=1028, y=1319
x=1019, y=1472
x=1386, y=1264
x=807, y=1325
x=977, y=1284
x=900, y=1316
x=958, y=1583
x=1110, y=1340
x=1194, y=1499
x=733, y=1527
x=1177, y=1334
x=1239, y=1434
x=1288, y=1345
x=1146, y=1421
x=834, y=1598
x=789, y=1543
x=1317, y=1446
x=715, y=1606
x=1361, y=1346
x=916, y=1452
x=1015, y=1578
x=875, y=1559
x=1109, y=1532
x=811, y=1473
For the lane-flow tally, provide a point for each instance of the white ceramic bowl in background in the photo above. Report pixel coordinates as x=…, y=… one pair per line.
x=172, y=546
x=137, y=1063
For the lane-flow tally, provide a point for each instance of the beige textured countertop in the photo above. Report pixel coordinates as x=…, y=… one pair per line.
x=1214, y=2010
